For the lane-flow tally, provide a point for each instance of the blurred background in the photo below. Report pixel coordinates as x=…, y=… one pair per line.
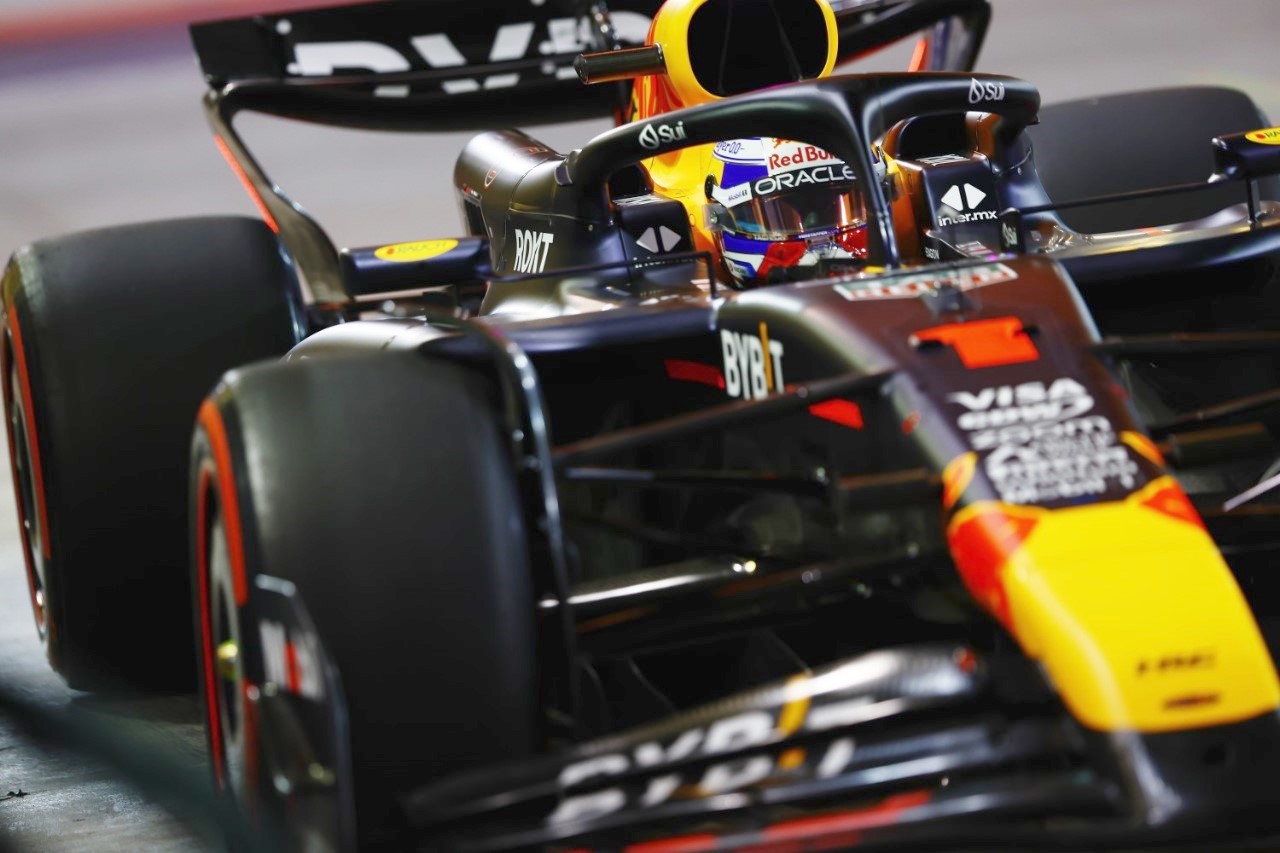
x=100, y=118
x=101, y=123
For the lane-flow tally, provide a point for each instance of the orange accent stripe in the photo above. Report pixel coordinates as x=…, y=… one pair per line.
x=206, y=627
x=882, y=814
x=985, y=343
x=682, y=844
x=691, y=371
x=846, y=413
x=33, y=437
x=1143, y=445
x=982, y=537
x=610, y=619
x=957, y=476
x=247, y=184
x=211, y=420
x=920, y=55
x=1169, y=499
x=841, y=829
x=791, y=759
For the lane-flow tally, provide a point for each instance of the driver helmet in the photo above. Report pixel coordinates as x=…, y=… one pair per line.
x=783, y=211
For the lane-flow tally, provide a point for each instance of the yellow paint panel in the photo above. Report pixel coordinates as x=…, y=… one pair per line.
x=1138, y=620
x=797, y=706
x=422, y=250
x=1270, y=136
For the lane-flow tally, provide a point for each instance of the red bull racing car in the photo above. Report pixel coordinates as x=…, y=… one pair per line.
x=813, y=461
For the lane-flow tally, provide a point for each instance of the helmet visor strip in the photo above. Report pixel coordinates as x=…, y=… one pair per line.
x=798, y=212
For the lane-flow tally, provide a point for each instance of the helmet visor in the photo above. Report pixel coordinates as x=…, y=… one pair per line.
x=799, y=211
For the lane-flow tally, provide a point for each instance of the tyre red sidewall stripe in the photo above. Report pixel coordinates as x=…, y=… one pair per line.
x=211, y=420
x=27, y=557
x=221, y=476
x=33, y=437
x=291, y=668
x=206, y=625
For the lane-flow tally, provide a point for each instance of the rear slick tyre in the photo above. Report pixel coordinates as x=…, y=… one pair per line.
x=1138, y=141
x=378, y=487
x=111, y=339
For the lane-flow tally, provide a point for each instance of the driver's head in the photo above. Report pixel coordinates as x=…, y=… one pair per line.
x=784, y=211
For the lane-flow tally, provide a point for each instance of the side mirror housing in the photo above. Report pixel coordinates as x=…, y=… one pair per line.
x=1255, y=154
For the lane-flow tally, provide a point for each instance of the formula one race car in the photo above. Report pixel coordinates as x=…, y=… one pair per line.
x=809, y=462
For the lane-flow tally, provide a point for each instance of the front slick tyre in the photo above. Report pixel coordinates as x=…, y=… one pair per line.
x=381, y=489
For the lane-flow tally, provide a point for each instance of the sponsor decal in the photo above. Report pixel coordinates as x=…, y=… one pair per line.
x=738, y=268
x=326, y=58
x=794, y=155
x=966, y=201
x=980, y=91
x=291, y=662
x=654, y=136
x=660, y=239
x=801, y=736
x=933, y=253
x=733, y=196
x=729, y=148
x=918, y=284
x=1270, y=136
x=803, y=177
x=752, y=364
x=565, y=37
x=532, y=248
x=746, y=152
x=1084, y=462
x=727, y=735
x=1030, y=402
x=1177, y=662
x=1009, y=235
x=422, y=250
x=943, y=159
x=1041, y=444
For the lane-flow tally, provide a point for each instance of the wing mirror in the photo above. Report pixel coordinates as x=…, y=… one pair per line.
x=1255, y=154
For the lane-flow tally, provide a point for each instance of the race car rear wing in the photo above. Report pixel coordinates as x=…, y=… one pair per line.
x=437, y=65
x=422, y=65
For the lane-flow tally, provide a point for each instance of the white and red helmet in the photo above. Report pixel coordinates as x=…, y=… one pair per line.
x=784, y=210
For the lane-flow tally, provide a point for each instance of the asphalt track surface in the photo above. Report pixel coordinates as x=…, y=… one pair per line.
x=98, y=131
